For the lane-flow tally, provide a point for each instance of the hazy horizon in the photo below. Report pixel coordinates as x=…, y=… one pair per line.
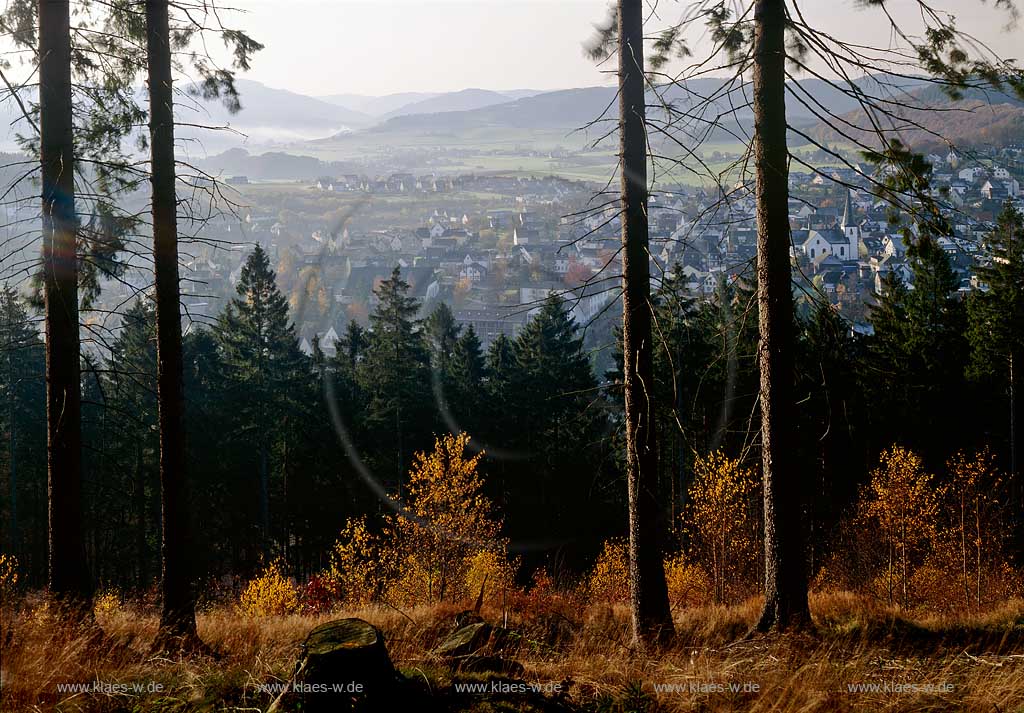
x=381, y=47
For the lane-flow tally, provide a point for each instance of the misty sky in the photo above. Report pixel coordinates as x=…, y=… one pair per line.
x=320, y=47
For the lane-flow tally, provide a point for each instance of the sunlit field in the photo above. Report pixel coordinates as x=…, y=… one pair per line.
x=863, y=657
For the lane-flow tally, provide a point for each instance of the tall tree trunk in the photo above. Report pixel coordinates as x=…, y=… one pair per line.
x=68, y=574
x=652, y=618
x=12, y=447
x=785, y=576
x=140, y=521
x=1016, y=486
x=178, y=616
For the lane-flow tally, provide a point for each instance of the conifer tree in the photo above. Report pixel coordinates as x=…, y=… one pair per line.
x=650, y=613
x=395, y=376
x=69, y=577
x=996, y=326
x=351, y=346
x=553, y=425
x=22, y=435
x=441, y=333
x=467, y=374
x=919, y=354
x=178, y=614
x=498, y=392
x=262, y=361
x=131, y=419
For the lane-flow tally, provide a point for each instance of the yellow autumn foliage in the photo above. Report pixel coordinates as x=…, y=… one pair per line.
x=971, y=547
x=8, y=574
x=360, y=564
x=724, y=524
x=688, y=583
x=107, y=602
x=437, y=548
x=446, y=521
x=492, y=570
x=900, y=506
x=608, y=581
x=271, y=593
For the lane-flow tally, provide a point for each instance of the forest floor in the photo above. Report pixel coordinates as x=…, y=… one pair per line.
x=862, y=657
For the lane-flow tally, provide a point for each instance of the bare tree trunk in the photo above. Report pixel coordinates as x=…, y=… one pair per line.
x=68, y=574
x=140, y=522
x=178, y=616
x=1015, y=479
x=12, y=446
x=652, y=618
x=785, y=576
x=963, y=550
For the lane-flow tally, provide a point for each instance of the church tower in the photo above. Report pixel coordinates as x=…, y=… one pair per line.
x=850, y=228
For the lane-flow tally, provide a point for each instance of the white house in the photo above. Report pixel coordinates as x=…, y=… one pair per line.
x=893, y=247
x=473, y=272
x=971, y=174
x=825, y=242
x=843, y=243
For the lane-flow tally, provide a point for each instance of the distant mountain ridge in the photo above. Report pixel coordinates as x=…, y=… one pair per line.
x=465, y=100
x=968, y=124
x=404, y=103
x=572, y=108
x=377, y=106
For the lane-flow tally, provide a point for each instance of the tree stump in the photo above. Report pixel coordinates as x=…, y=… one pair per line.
x=465, y=641
x=341, y=662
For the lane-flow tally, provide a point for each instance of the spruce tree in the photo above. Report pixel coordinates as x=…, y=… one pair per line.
x=996, y=327
x=340, y=386
x=555, y=422
x=131, y=420
x=441, y=333
x=262, y=362
x=467, y=366
x=649, y=606
x=396, y=378
x=918, y=355
x=351, y=346
x=22, y=437
x=498, y=392
x=69, y=578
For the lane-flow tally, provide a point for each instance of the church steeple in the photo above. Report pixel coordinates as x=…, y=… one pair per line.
x=850, y=229
x=847, y=212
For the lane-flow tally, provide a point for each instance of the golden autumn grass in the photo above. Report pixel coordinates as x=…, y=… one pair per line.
x=858, y=642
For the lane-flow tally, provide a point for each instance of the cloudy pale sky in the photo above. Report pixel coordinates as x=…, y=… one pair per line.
x=321, y=47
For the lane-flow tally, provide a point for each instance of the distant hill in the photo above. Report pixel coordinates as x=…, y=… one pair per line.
x=980, y=119
x=572, y=108
x=564, y=109
x=466, y=100
x=270, y=166
x=403, y=103
x=275, y=115
x=378, y=106
x=522, y=93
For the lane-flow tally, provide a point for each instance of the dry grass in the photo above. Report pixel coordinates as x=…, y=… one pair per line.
x=980, y=657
